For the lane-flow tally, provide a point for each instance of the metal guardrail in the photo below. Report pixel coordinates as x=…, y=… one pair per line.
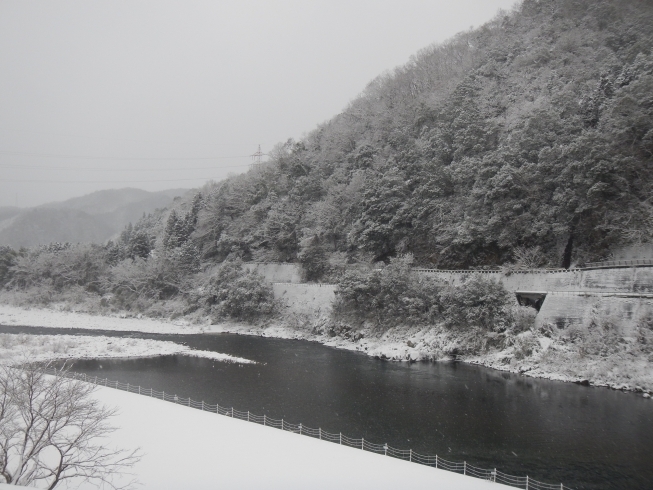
x=619, y=263
x=587, y=266
x=307, y=284
x=465, y=468
x=603, y=294
x=497, y=271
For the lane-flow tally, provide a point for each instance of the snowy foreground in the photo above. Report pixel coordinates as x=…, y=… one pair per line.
x=191, y=449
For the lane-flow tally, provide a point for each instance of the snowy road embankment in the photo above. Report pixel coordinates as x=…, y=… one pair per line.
x=202, y=450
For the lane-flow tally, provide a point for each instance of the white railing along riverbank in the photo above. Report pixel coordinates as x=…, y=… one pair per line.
x=406, y=454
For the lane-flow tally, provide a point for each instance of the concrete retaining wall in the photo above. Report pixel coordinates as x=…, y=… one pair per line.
x=306, y=299
x=575, y=310
x=277, y=272
x=572, y=296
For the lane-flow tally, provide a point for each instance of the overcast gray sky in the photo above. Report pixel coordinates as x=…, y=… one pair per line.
x=162, y=94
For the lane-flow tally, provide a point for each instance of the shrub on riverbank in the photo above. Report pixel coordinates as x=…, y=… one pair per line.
x=388, y=295
x=234, y=292
x=168, y=283
x=396, y=294
x=59, y=267
x=477, y=303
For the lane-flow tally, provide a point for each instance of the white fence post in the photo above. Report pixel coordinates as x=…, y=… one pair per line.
x=465, y=471
x=363, y=443
x=341, y=438
x=410, y=455
x=436, y=460
x=281, y=424
x=526, y=482
x=385, y=449
x=319, y=430
x=264, y=418
x=139, y=389
x=300, y=429
x=127, y=386
x=232, y=412
x=247, y=415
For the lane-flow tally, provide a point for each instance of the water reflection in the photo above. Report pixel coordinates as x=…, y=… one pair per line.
x=584, y=437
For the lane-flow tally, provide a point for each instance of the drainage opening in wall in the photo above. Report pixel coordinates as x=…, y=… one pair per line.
x=534, y=299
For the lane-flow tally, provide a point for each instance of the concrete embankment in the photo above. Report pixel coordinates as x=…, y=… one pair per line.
x=567, y=297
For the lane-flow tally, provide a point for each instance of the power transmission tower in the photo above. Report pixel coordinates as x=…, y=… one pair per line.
x=256, y=159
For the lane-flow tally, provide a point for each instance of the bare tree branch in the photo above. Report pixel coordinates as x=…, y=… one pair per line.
x=52, y=429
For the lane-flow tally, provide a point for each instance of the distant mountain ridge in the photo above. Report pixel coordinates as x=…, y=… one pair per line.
x=95, y=217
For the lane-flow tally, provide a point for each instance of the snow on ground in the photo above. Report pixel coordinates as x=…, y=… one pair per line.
x=187, y=448
x=18, y=347
x=52, y=318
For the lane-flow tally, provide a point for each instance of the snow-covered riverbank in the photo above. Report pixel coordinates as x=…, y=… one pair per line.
x=58, y=318
x=19, y=347
x=51, y=347
x=186, y=448
x=531, y=354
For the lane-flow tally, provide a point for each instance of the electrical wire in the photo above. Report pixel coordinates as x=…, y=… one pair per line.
x=96, y=157
x=103, y=181
x=121, y=169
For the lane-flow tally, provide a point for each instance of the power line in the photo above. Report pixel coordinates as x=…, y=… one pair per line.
x=102, y=181
x=96, y=157
x=257, y=155
x=68, y=135
x=132, y=169
x=256, y=159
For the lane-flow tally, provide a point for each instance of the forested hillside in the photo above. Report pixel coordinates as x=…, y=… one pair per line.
x=528, y=139
x=531, y=131
x=525, y=143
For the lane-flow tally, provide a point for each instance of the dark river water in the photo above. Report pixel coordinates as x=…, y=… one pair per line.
x=587, y=438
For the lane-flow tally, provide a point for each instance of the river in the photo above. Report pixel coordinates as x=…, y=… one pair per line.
x=587, y=438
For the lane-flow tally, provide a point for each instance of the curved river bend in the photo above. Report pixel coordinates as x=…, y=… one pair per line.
x=587, y=438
